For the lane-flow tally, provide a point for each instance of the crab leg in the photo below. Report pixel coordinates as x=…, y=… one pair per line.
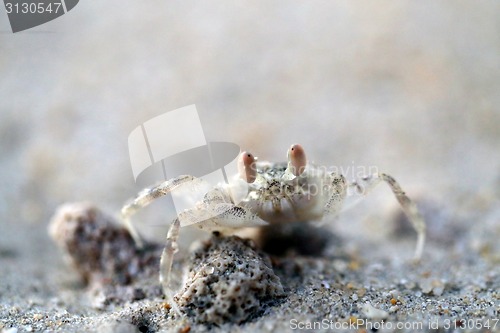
x=147, y=196
x=166, y=261
x=367, y=183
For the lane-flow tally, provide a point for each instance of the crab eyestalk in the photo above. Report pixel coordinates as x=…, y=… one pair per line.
x=247, y=168
x=296, y=159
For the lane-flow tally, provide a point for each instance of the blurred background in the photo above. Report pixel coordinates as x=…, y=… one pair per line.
x=409, y=87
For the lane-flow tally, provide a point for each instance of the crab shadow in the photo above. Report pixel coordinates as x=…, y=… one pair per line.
x=298, y=249
x=297, y=239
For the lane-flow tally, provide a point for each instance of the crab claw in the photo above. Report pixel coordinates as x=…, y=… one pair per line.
x=247, y=168
x=297, y=159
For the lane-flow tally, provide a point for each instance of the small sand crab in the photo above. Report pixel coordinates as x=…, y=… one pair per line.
x=292, y=191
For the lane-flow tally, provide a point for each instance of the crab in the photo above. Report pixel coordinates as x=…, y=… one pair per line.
x=274, y=193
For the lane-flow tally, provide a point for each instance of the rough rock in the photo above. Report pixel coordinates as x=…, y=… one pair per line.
x=101, y=251
x=228, y=281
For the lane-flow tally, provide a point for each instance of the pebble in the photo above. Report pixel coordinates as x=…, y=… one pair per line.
x=371, y=312
x=438, y=287
x=425, y=286
x=354, y=297
x=394, y=308
x=340, y=265
x=438, y=291
x=14, y=310
x=394, y=293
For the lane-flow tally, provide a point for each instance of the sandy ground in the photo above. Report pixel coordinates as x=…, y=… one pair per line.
x=410, y=88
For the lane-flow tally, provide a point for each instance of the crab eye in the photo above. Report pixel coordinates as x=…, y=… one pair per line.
x=297, y=159
x=247, y=168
